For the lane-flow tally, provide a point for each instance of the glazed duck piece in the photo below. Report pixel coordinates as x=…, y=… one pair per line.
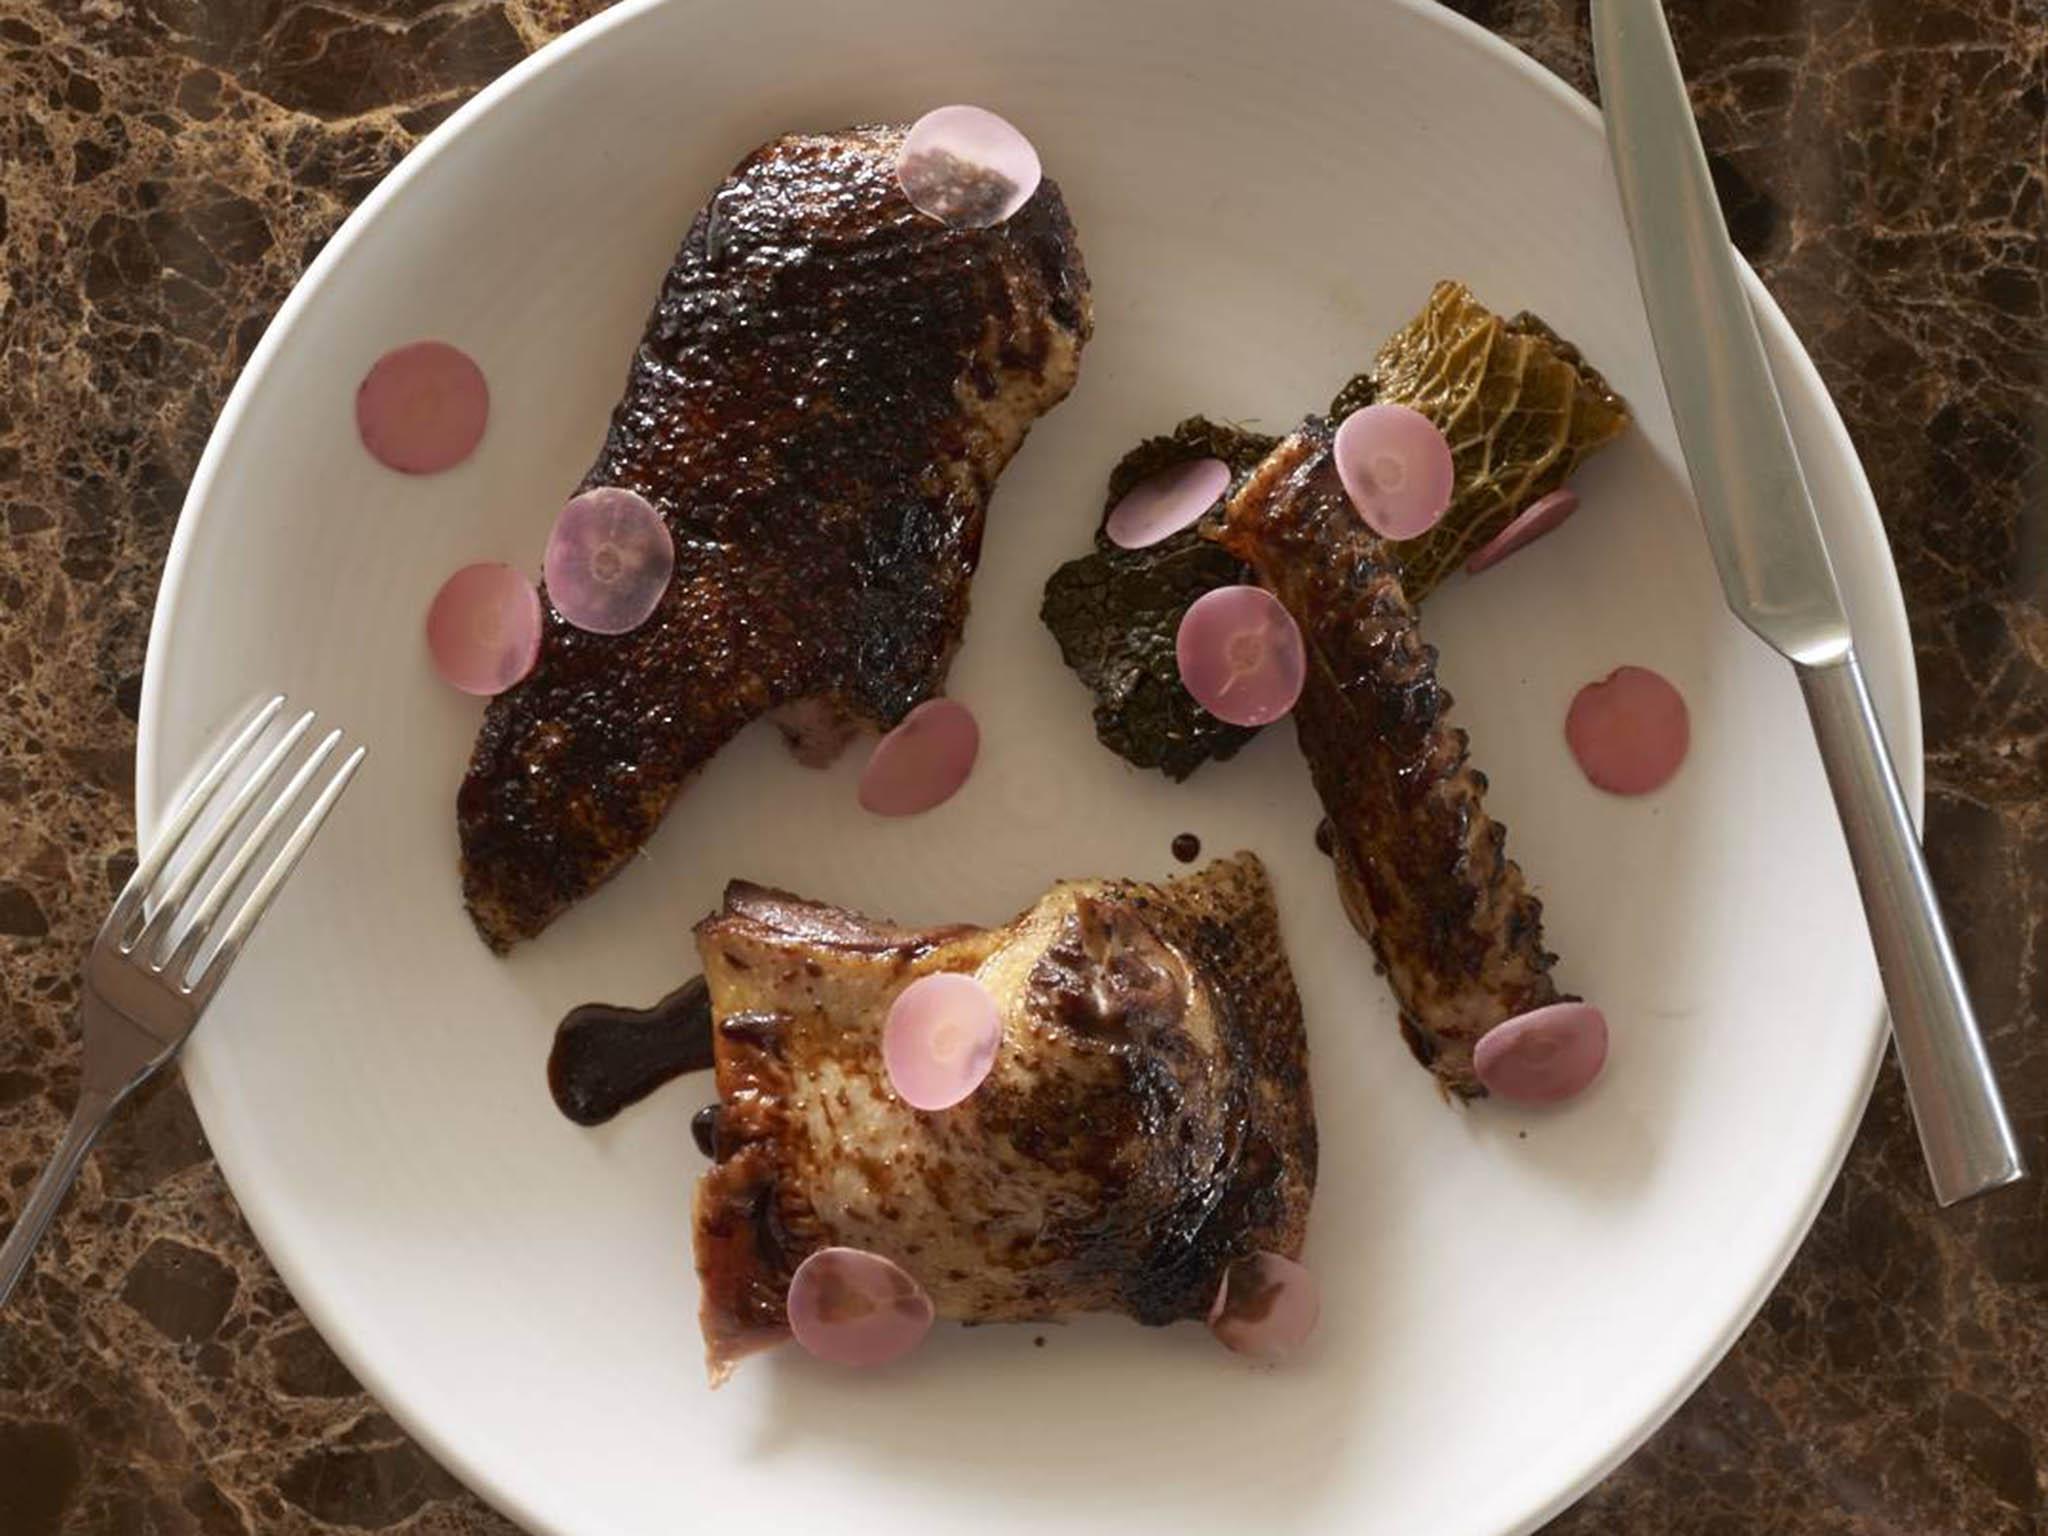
x=1146, y=1122
x=1422, y=869
x=823, y=398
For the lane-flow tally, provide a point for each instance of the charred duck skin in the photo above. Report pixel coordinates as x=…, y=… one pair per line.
x=819, y=407
x=1422, y=869
x=1147, y=1120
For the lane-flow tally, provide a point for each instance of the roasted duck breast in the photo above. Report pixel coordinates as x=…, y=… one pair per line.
x=824, y=395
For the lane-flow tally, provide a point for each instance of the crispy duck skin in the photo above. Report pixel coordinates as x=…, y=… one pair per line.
x=1147, y=1120
x=819, y=407
x=1422, y=869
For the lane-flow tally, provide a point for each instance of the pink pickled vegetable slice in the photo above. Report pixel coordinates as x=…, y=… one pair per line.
x=483, y=628
x=940, y=1039
x=1544, y=1055
x=422, y=408
x=1396, y=468
x=1630, y=731
x=1530, y=524
x=923, y=762
x=1160, y=505
x=966, y=167
x=1241, y=655
x=1266, y=1307
x=609, y=560
x=857, y=1308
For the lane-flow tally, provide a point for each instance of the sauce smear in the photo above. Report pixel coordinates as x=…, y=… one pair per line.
x=606, y=1057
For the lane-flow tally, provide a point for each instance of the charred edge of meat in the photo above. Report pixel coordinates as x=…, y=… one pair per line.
x=794, y=919
x=1262, y=1191
x=1421, y=868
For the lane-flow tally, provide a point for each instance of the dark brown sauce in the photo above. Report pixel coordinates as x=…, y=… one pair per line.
x=704, y=1129
x=1187, y=847
x=606, y=1057
x=1326, y=838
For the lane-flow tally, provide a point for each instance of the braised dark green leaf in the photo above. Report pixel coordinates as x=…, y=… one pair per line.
x=1115, y=612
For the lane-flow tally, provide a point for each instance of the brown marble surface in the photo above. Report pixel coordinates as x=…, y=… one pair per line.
x=166, y=169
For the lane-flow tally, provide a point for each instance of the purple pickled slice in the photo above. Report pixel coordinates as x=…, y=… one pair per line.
x=1241, y=655
x=940, y=1039
x=1396, y=468
x=1266, y=1307
x=966, y=167
x=923, y=762
x=1543, y=1056
x=1530, y=524
x=422, y=408
x=1630, y=731
x=1160, y=505
x=609, y=559
x=483, y=628
x=857, y=1308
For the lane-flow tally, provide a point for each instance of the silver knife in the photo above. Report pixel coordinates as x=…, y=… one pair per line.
x=1776, y=574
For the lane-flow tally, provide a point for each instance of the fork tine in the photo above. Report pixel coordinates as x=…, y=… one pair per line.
x=173, y=896
x=174, y=830
x=253, y=843
x=266, y=889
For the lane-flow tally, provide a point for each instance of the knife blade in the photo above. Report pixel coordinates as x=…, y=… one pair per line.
x=1775, y=572
x=1746, y=477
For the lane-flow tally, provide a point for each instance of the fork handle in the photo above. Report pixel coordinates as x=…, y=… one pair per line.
x=1963, y=1127
x=95, y=1106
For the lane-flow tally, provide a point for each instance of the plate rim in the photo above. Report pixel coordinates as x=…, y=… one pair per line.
x=258, y=1204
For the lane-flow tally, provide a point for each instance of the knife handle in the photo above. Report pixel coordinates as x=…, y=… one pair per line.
x=1964, y=1132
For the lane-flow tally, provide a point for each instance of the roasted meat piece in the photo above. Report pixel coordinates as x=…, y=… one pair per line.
x=827, y=389
x=1147, y=1120
x=1423, y=870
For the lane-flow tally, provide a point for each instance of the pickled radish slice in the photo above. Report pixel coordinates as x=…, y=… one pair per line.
x=1530, y=524
x=483, y=628
x=1630, y=731
x=1396, y=468
x=422, y=408
x=1266, y=1307
x=1160, y=505
x=940, y=1040
x=856, y=1308
x=1241, y=655
x=966, y=167
x=609, y=560
x=1544, y=1055
x=923, y=762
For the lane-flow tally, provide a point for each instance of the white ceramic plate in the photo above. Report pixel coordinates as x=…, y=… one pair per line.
x=1264, y=192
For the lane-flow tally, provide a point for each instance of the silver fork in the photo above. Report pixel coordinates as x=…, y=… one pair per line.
x=145, y=984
